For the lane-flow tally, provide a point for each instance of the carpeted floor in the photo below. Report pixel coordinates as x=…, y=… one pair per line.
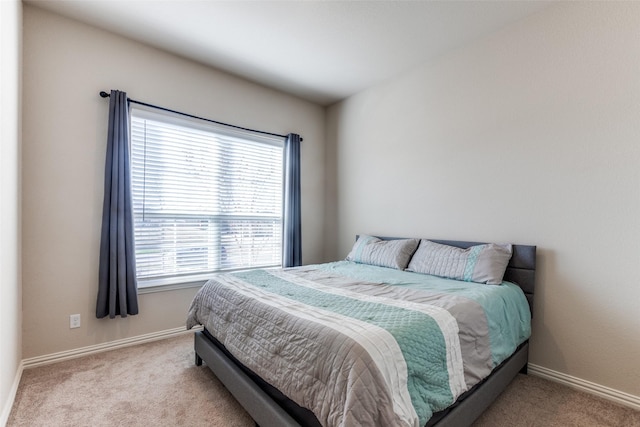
x=157, y=384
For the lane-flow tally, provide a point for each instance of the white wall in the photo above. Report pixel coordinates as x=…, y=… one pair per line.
x=66, y=65
x=10, y=298
x=532, y=136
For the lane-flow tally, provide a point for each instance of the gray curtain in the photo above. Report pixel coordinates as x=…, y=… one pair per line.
x=292, y=230
x=117, y=287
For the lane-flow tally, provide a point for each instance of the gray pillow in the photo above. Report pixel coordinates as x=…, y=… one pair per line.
x=481, y=263
x=384, y=253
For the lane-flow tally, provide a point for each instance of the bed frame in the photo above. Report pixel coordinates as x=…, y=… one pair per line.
x=269, y=407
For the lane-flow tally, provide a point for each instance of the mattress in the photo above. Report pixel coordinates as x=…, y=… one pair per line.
x=363, y=345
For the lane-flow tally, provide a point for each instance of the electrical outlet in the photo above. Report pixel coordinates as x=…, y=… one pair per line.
x=74, y=321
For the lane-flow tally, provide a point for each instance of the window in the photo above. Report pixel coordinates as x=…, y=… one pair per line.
x=206, y=197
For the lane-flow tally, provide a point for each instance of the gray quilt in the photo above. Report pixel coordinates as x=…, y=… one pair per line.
x=360, y=345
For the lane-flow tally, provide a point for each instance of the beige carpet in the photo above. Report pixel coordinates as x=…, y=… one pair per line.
x=157, y=384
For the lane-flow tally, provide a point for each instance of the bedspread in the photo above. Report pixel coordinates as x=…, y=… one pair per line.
x=363, y=345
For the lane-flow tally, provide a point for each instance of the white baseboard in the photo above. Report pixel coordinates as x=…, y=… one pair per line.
x=6, y=410
x=98, y=348
x=619, y=397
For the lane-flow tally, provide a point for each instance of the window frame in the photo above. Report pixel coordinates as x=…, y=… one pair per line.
x=180, y=281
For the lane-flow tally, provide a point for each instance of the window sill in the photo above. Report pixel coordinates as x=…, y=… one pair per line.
x=177, y=283
x=153, y=288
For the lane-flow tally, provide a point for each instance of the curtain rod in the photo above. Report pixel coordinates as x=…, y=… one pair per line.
x=106, y=95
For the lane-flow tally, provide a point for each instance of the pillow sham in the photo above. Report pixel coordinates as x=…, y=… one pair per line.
x=481, y=263
x=383, y=253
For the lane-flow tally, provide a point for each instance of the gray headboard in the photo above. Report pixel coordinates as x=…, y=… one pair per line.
x=521, y=269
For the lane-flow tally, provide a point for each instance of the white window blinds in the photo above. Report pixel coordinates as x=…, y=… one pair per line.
x=206, y=198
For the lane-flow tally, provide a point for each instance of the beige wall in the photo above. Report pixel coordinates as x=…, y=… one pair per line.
x=66, y=65
x=532, y=136
x=10, y=298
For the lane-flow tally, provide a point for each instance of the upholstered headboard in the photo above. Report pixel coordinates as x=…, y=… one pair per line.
x=521, y=269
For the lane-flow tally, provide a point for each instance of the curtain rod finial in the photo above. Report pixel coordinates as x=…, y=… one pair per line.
x=104, y=94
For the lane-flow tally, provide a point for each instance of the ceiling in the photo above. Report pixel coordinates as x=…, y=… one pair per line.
x=322, y=51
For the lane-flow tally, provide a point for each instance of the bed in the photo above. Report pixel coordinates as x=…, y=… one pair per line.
x=259, y=353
